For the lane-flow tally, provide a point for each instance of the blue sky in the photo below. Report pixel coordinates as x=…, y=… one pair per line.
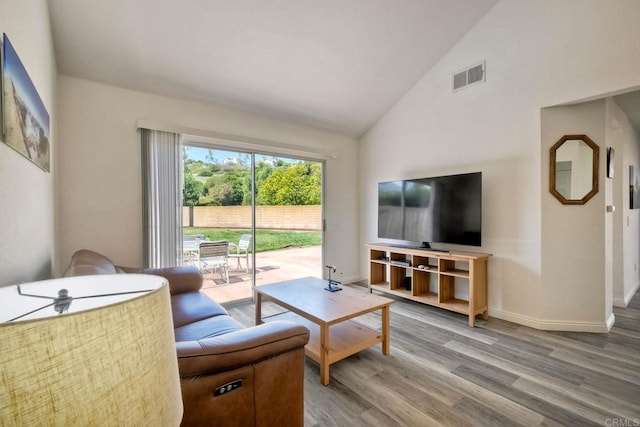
x=14, y=70
x=198, y=153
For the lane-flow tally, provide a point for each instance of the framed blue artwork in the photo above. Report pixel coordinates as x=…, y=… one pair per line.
x=24, y=117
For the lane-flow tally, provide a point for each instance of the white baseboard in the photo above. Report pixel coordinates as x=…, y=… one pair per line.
x=610, y=322
x=545, y=325
x=618, y=302
x=554, y=325
x=351, y=279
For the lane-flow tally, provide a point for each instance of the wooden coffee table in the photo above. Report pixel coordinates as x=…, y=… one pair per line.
x=327, y=315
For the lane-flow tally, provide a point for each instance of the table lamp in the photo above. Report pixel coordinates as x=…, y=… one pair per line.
x=89, y=350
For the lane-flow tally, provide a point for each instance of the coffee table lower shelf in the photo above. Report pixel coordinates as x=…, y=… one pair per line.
x=345, y=338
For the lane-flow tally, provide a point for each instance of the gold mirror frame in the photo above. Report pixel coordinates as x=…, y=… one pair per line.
x=594, y=173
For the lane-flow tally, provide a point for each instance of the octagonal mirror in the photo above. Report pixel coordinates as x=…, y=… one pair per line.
x=573, y=173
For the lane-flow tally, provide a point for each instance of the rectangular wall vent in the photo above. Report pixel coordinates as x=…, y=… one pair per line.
x=460, y=80
x=469, y=76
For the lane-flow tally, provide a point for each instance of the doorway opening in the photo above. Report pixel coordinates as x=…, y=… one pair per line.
x=265, y=209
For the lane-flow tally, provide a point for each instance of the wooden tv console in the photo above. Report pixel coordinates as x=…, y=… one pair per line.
x=430, y=277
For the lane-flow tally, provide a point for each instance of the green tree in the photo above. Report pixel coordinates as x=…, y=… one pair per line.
x=298, y=184
x=222, y=194
x=263, y=172
x=226, y=189
x=192, y=190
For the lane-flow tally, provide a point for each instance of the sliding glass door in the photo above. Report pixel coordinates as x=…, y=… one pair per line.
x=288, y=207
x=266, y=210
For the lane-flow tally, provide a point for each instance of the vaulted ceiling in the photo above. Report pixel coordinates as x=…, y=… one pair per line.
x=629, y=103
x=335, y=64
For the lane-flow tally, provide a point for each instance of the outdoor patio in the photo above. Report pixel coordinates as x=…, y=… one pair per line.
x=271, y=267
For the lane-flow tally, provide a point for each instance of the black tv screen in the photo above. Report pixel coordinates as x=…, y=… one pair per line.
x=443, y=209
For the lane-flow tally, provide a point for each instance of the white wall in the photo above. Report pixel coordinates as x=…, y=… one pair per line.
x=574, y=276
x=26, y=191
x=538, y=53
x=626, y=225
x=100, y=176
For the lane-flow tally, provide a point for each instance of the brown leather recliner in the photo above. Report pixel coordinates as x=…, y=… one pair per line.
x=229, y=374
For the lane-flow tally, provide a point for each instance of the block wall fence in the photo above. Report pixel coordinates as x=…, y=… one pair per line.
x=304, y=218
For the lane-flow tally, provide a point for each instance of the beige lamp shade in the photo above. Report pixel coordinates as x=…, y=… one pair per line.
x=109, y=360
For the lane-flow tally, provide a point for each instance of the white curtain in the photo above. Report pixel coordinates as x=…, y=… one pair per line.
x=162, y=198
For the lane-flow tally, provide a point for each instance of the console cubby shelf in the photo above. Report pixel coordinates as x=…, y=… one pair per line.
x=430, y=277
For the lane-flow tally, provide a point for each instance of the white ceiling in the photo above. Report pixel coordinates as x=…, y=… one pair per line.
x=334, y=64
x=629, y=103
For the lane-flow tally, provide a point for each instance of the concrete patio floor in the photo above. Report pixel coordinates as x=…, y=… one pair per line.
x=272, y=266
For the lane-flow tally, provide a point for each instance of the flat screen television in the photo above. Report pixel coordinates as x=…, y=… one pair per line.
x=442, y=209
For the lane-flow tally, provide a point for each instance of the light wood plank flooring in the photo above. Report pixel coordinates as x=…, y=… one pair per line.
x=441, y=372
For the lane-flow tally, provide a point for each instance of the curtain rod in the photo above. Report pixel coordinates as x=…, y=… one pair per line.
x=246, y=142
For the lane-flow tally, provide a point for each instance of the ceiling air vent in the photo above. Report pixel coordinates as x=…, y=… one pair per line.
x=469, y=76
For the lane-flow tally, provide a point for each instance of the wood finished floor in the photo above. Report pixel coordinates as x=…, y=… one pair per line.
x=441, y=372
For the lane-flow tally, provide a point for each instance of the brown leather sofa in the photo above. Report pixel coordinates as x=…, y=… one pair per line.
x=216, y=354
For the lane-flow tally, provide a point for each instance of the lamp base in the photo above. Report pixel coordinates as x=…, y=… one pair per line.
x=333, y=286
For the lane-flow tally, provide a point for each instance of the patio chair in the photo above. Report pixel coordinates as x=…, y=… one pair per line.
x=190, y=248
x=192, y=237
x=214, y=256
x=241, y=250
